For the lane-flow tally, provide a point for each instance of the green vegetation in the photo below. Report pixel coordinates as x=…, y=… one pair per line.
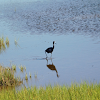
x=81, y=91
x=26, y=77
x=13, y=67
x=22, y=68
x=7, y=42
x=35, y=75
x=3, y=44
x=7, y=77
x=16, y=42
x=30, y=74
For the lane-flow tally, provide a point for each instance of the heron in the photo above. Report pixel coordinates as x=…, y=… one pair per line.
x=50, y=49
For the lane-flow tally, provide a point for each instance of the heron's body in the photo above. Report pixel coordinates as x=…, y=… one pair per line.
x=50, y=49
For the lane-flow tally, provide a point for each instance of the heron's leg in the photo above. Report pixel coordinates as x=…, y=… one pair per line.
x=51, y=55
x=51, y=61
x=47, y=60
x=46, y=54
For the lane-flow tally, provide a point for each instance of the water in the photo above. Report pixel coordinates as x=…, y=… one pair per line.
x=73, y=25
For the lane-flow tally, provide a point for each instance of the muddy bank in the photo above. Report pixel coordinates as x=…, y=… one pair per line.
x=55, y=17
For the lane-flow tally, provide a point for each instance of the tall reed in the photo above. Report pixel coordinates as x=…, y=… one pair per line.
x=83, y=91
x=7, y=77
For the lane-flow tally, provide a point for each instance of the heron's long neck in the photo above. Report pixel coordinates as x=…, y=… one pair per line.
x=53, y=46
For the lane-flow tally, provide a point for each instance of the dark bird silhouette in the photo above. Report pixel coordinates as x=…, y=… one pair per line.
x=50, y=49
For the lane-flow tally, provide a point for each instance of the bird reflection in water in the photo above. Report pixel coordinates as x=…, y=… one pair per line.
x=52, y=67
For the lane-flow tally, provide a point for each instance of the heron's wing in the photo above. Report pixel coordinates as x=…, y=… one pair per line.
x=49, y=49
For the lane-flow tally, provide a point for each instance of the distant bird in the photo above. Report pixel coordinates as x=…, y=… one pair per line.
x=50, y=49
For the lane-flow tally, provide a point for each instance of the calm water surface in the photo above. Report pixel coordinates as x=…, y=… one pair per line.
x=76, y=56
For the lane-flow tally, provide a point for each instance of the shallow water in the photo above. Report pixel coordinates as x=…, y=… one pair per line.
x=77, y=52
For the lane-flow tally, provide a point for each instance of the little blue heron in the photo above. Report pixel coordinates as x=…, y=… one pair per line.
x=50, y=49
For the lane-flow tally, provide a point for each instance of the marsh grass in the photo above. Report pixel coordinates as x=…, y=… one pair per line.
x=7, y=41
x=30, y=75
x=35, y=75
x=26, y=77
x=13, y=67
x=7, y=77
x=22, y=68
x=16, y=43
x=3, y=44
x=81, y=91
